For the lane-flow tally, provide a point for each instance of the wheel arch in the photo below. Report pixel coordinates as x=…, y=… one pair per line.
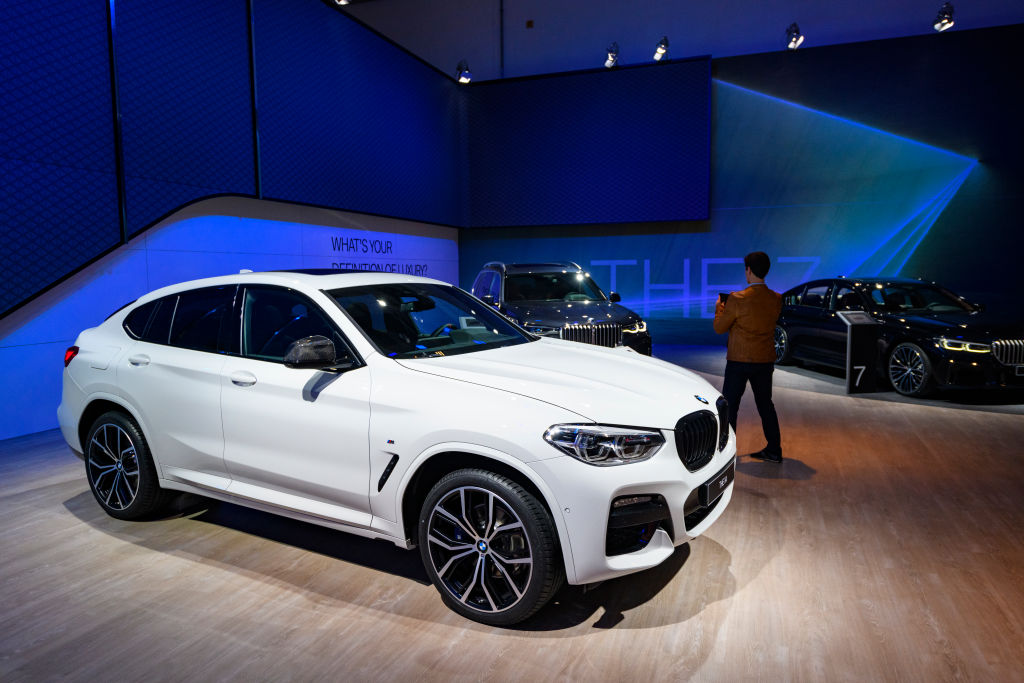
x=96, y=407
x=422, y=476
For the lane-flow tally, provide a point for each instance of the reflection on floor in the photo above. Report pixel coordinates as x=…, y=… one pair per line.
x=885, y=547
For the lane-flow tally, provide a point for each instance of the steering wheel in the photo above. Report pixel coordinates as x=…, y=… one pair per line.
x=447, y=327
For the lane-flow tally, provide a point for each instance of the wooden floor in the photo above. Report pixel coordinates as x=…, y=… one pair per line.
x=888, y=546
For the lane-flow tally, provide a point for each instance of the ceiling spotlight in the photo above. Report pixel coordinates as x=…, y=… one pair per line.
x=796, y=39
x=944, y=19
x=341, y=2
x=462, y=72
x=661, y=50
x=613, y=55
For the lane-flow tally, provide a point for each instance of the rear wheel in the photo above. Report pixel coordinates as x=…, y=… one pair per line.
x=783, y=351
x=120, y=470
x=910, y=370
x=489, y=547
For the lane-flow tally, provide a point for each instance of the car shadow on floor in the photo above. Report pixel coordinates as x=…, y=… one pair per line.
x=372, y=554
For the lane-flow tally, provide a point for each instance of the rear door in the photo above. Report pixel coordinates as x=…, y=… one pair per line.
x=806, y=318
x=172, y=375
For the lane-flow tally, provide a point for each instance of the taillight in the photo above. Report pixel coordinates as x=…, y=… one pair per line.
x=69, y=354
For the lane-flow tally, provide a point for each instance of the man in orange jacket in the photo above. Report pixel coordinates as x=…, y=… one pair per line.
x=749, y=316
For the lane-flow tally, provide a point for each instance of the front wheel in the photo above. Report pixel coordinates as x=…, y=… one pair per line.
x=910, y=370
x=489, y=546
x=120, y=470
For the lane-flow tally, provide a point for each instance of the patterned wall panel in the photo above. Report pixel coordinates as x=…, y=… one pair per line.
x=628, y=145
x=185, y=101
x=58, y=204
x=350, y=121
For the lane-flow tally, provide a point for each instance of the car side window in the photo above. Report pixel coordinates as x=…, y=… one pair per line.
x=494, y=286
x=815, y=296
x=201, y=318
x=846, y=299
x=151, y=322
x=274, y=317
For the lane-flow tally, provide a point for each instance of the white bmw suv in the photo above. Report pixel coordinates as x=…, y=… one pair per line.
x=401, y=408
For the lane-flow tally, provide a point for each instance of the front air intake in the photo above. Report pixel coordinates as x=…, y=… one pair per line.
x=696, y=439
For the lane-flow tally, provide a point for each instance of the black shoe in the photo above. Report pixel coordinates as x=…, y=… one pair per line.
x=767, y=456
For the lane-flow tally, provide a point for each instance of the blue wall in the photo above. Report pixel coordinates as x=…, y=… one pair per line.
x=185, y=103
x=349, y=120
x=58, y=204
x=592, y=147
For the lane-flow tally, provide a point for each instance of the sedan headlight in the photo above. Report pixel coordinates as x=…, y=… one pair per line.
x=958, y=345
x=602, y=445
x=634, y=329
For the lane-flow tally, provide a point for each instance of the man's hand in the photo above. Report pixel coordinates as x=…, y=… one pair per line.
x=719, y=306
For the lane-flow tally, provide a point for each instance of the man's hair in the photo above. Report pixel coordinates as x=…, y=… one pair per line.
x=758, y=262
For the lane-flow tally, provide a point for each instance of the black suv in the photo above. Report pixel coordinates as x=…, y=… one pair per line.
x=928, y=336
x=561, y=300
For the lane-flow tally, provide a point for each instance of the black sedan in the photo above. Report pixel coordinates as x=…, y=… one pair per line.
x=928, y=336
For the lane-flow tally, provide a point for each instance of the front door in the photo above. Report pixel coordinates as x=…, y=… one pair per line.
x=295, y=438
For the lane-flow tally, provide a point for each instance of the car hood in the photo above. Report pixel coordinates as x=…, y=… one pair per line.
x=610, y=386
x=559, y=313
x=978, y=326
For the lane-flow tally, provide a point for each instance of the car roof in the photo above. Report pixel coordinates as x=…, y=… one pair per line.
x=551, y=267
x=309, y=278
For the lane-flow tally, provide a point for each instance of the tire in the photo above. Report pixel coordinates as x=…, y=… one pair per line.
x=495, y=577
x=783, y=347
x=910, y=370
x=120, y=469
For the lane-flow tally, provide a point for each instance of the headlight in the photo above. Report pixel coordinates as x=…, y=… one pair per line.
x=601, y=445
x=957, y=345
x=634, y=329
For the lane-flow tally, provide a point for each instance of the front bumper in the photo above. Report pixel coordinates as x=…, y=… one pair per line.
x=976, y=371
x=586, y=493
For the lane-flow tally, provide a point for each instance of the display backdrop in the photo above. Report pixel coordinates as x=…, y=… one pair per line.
x=823, y=195
x=625, y=145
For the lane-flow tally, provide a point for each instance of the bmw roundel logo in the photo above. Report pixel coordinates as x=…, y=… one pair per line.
x=482, y=546
x=701, y=399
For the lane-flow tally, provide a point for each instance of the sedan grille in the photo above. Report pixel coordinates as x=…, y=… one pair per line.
x=1009, y=351
x=696, y=439
x=600, y=334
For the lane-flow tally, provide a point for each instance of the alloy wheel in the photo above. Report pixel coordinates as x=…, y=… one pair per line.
x=781, y=344
x=113, y=466
x=907, y=369
x=479, y=549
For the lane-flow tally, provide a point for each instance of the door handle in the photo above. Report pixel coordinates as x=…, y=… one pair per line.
x=139, y=360
x=243, y=378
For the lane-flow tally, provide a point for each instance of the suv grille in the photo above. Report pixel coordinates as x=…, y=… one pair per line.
x=600, y=334
x=723, y=421
x=696, y=439
x=1009, y=351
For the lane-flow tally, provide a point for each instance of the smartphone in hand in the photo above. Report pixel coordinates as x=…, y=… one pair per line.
x=723, y=296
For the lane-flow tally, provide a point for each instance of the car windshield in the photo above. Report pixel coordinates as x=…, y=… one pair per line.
x=556, y=286
x=425, y=320
x=909, y=296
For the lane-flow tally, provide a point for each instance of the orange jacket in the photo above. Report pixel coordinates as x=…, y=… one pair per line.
x=749, y=316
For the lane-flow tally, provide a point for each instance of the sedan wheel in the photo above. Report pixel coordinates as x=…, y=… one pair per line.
x=120, y=471
x=910, y=370
x=783, y=352
x=489, y=546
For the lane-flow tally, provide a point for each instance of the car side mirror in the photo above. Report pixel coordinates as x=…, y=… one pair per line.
x=314, y=353
x=614, y=297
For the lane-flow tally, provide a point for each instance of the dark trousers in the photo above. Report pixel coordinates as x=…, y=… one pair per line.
x=760, y=377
